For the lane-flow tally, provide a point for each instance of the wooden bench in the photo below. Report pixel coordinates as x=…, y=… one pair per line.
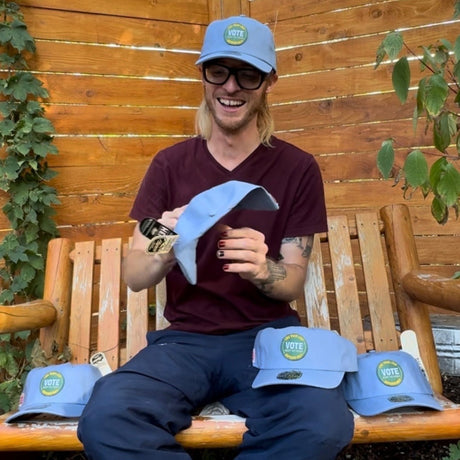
x=87, y=308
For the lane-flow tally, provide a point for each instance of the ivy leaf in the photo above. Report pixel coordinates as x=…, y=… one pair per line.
x=401, y=79
x=23, y=335
x=20, y=38
x=20, y=85
x=42, y=125
x=416, y=169
x=6, y=127
x=436, y=91
x=385, y=158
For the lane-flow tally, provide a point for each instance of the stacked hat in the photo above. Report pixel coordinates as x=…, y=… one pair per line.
x=61, y=390
x=386, y=381
x=206, y=209
x=242, y=38
x=297, y=355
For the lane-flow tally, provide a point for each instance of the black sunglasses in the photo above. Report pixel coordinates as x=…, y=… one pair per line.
x=248, y=78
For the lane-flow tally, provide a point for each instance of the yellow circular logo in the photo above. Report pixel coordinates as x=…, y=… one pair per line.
x=390, y=373
x=294, y=347
x=235, y=34
x=52, y=383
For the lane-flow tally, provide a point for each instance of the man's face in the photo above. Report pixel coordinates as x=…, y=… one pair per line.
x=233, y=107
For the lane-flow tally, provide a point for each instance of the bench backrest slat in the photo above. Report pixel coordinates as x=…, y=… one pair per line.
x=377, y=285
x=108, y=337
x=346, y=290
x=81, y=302
x=316, y=306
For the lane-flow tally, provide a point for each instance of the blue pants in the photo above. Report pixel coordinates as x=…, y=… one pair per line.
x=135, y=412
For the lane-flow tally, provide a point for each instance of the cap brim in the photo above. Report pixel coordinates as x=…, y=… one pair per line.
x=313, y=378
x=61, y=410
x=380, y=404
x=255, y=62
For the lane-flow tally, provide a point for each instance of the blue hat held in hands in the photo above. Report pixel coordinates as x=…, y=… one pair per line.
x=206, y=209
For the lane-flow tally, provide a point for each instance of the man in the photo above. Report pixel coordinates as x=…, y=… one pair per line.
x=249, y=267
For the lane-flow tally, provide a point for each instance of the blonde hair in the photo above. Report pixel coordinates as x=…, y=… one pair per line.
x=265, y=124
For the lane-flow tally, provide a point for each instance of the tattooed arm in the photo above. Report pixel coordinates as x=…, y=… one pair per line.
x=246, y=252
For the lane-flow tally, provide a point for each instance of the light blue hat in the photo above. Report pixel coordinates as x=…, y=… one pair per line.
x=63, y=390
x=298, y=355
x=240, y=37
x=206, y=209
x=386, y=381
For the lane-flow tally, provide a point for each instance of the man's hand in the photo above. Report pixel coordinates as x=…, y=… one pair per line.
x=245, y=253
x=169, y=218
x=141, y=270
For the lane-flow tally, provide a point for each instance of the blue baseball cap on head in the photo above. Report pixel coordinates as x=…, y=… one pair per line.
x=387, y=381
x=62, y=390
x=298, y=355
x=206, y=209
x=242, y=38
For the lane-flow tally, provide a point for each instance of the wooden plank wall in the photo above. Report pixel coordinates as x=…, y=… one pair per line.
x=123, y=85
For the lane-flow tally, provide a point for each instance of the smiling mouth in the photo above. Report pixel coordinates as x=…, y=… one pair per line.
x=231, y=103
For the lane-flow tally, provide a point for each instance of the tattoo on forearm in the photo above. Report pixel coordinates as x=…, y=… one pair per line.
x=277, y=272
x=304, y=243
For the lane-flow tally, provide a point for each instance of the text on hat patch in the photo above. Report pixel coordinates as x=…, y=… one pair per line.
x=294, y=347
x=390, y=373
x=235, y=34
x=51, y=383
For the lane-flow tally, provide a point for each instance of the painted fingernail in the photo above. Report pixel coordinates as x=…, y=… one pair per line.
x=220, y=253
x=225, y=267
x=221, y=244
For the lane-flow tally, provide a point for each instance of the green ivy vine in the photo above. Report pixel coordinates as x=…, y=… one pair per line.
x=26, y=140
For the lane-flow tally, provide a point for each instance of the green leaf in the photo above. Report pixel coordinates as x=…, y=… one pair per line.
x=456, y=15
x=401, y=79
x=385, y=158
x=22, y=84
x=20, y=38
x=416, y=169
x=393, y=44
x=456, y=72
x=439, y=210
x=42, y=125
x=23, y=335
x=449, y=185
x=436, y=91
x=457, y=48
x=7, y=126
x=436, y=171
x=442, y=131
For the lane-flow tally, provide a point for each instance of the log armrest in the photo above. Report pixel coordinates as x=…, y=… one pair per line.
x=25, y=316
x=433, y=289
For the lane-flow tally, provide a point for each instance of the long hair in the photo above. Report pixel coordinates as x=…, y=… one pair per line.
x=265, y=124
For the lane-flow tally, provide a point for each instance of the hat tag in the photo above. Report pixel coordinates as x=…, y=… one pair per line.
x=99, y=360
x=409, y=344
x=289, y=375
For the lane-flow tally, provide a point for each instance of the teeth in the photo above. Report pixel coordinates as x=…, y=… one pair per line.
x=231, y=102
